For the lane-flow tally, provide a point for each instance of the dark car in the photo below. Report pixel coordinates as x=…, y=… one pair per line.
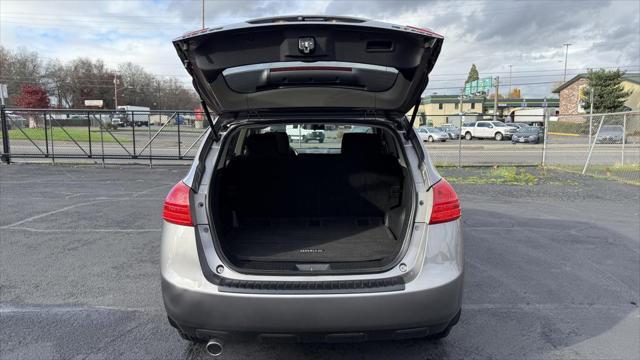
x=527, y=134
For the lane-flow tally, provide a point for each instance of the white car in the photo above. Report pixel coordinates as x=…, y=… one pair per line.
x=485, y=129
x=304, y=133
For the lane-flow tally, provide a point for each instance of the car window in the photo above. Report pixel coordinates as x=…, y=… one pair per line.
x=483, y=125
x=314, y=138
x=498, y=123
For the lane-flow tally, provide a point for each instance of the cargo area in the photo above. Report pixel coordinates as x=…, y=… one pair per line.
x=276, y=208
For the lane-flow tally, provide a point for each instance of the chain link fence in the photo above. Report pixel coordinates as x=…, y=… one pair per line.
x=606, y=145
x=603, y=145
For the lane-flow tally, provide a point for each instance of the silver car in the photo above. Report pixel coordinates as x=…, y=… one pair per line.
x=610, y=134
x=356, y=238
x=431, y=134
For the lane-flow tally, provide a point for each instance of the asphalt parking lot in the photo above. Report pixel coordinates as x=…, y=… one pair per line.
x=552, y=270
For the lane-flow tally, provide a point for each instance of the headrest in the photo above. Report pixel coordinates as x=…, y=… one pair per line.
x=282, y=139
x=262, y=145
x=361, y=144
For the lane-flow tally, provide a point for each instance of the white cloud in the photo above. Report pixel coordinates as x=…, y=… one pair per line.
x=527, y=34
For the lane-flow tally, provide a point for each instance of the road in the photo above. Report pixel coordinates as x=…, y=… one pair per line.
x=552, y=271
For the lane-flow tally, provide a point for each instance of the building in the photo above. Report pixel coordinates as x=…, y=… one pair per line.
x=507, y=106
x=436, y=110
x=571, y=99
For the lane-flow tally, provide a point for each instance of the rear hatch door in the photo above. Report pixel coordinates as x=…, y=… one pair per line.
x=307, y=63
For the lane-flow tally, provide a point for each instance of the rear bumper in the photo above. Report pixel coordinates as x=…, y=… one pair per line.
x=428, y=304
x=338, y=313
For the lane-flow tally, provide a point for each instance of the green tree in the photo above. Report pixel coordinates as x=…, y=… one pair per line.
x=608, y=93
x=473, y=74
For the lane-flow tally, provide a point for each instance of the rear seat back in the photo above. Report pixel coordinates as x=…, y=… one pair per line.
x=269, y=182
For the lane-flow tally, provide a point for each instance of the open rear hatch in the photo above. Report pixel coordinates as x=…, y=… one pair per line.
x=309, y=62
x=343, y=205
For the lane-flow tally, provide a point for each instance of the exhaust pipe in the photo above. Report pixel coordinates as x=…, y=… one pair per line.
x=214, y=347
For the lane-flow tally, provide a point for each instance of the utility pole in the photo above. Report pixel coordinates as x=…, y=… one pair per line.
x=590, y=114
x=203, y=14
x=509, y=79
x=460, y=114
x=495, y=100
x=115, y=90
x=566, y=55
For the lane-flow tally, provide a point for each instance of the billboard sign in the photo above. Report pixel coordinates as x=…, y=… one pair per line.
x=480, y=86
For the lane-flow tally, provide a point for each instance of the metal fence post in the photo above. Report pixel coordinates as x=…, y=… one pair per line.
x=46, y=135
x=6, y=151
x=53, y=152
x=101, y=141
x=178, y=121
x=133, y=131
x=545, y=139
x=89, y=133
x=624, y=136
x=586, y=163
x=150, y=145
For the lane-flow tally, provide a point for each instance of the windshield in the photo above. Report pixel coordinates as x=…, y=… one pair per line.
x=498, y=123
x=528, y=129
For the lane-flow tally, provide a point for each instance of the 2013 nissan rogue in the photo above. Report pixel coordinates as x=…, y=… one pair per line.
x=353, y=238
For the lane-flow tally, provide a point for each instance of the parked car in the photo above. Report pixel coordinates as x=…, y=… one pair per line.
x=304, y=133
x=527, y=134
x=432, y=134
x=361, y=129
x=487, y=130
x=451, y=130
x=516, y=125
x=610, y=134
x=15, y=121
x=275, y=247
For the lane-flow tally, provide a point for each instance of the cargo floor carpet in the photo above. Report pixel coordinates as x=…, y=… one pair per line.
x=312, y=240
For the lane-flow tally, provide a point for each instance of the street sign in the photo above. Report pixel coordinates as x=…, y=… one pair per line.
x=478, y=86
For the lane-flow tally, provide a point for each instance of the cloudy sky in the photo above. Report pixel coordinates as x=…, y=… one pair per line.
x=493, y=34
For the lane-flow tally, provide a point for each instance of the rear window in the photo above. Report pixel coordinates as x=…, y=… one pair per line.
x=314, y=138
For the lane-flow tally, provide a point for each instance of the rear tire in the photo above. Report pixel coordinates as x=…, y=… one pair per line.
x=444, y=333
x=468, y=136
x=439, y=336
x=498, y=136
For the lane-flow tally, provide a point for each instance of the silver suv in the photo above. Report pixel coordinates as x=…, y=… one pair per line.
x=350, y=239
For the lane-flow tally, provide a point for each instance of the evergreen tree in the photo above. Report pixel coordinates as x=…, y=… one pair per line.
x=608, y=93
x=473, y=74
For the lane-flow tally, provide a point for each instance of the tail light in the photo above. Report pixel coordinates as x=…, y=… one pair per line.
x=446, y=206
x=176, y=208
